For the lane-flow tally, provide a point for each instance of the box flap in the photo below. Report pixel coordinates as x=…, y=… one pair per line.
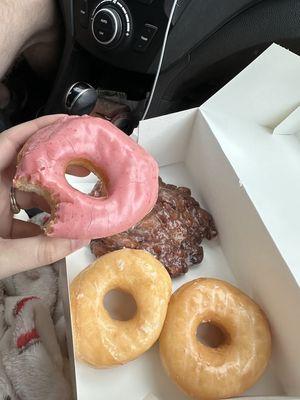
x=290, y=125
x=242, y=116
x=265, y=92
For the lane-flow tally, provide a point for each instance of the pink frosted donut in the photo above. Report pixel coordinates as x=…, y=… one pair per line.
x=129, y=173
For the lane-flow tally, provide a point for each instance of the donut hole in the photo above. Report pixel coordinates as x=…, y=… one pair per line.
x=211, y=335
x=86, y=176
x=120, y=304
x=83, y=184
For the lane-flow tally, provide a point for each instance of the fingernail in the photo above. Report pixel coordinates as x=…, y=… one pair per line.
x=79, y=243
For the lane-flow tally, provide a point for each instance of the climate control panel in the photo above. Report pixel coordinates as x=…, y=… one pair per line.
x=111, y=22
x=125, y=33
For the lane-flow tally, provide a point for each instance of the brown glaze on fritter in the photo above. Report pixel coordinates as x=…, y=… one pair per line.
x=172, y=231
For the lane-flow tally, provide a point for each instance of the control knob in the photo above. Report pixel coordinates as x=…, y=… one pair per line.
x=107, y=26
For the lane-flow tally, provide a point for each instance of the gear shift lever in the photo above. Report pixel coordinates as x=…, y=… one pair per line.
x=80, y=99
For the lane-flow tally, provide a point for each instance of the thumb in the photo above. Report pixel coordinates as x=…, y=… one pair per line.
x=17, y=255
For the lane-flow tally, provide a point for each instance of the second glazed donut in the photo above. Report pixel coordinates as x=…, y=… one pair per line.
x=228, y=370
x=102, y=341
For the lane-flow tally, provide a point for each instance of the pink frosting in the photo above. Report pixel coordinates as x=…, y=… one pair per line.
x=132, y=176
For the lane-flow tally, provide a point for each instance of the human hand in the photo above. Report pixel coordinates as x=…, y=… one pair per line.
x=22, y=246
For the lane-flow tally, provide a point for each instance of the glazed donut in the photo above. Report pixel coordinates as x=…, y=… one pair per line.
x=129, y=173
x=227, y=370
x=102, y=341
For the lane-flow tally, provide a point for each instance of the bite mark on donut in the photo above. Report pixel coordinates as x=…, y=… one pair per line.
x=27, y=186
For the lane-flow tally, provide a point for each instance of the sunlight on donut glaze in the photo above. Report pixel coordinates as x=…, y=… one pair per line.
x=231, y=367
x=102, y=341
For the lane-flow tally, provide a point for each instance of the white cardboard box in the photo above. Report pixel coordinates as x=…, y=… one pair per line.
x=249, y=179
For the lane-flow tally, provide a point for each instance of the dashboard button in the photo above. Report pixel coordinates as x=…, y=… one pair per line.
x=104, y=21
x=145, y=38
x=149, y=30
x=102, y=35
x=83, y=13
x=141, y=44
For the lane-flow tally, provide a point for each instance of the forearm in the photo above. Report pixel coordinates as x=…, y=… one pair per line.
x=23, y=23
x=12, y=38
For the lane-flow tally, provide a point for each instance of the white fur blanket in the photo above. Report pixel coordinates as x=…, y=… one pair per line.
x=33, y=349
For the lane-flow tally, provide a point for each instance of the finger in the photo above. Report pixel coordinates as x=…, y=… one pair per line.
x=22, y=229
x=20, y=133
x=17, y=255
x=26, y=200
x=12, y=139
